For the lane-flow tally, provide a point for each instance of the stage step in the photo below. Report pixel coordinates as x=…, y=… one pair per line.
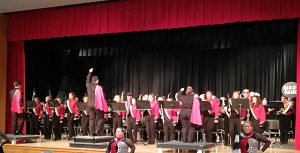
x=93, y=139
x=102, y=145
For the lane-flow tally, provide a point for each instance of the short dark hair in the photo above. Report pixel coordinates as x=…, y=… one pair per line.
x=120, y=129
x=17, y=83
x=94, y=78
x=129, y=94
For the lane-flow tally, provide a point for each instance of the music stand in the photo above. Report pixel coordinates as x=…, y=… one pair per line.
x=81, y=106
x=30, y=104
x=240, y=104
x=53, y=103
x=205, y=106
x=171, y=104
x=277, y=105
x=118, y=107
x=143, y=105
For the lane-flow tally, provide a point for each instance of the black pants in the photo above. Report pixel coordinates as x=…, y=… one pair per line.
x=208, y=125
x=57, y=129
x=188, y=128
x=284, y=125
x=47, y=127
x=169, y=130
x=132, y=129
x=117, y=122
x=150, y=128
x=84, y=124
x=35, y=125
x=17, y=129
x=234, y=128
x=96, y=120
x=70, y=123
x=226, y=129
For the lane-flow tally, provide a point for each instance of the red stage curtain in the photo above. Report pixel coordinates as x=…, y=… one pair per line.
x=140, y=15
x=15, y=71
x=297, y=127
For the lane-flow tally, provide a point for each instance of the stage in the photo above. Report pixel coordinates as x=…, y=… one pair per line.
x=62, y=146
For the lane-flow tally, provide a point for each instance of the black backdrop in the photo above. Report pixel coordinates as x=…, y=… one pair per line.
x=260, y=56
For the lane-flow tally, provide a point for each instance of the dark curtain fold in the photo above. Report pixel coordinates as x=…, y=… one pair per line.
x=15, y=72
x=260, y=56
x=141, y=15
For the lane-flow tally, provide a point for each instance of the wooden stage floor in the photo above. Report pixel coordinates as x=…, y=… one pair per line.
x=63, y=147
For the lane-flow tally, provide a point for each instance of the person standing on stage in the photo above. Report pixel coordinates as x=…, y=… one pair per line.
x=17, y=108
x=35, y=121
x=47, y=126
x=236, y=116
x=170, y=118
x=97, y=105
x=120, y=144
x=151, y=118
x=3, y=135
x=72, y=113
x=118, y=117
x=133, y=118
x=58, y=117
x=210, y=117
x=85, y=117
x=258, y=114
x=284, y=117
x=225, y=114
x=190, y=115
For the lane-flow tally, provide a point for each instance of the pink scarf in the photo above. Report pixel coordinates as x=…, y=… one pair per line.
x=196, y=115
x=100, y=102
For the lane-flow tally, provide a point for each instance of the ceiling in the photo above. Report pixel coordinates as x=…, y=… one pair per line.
x=7, y=6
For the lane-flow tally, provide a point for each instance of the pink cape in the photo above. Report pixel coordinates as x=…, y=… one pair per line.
x=15, y=105
x=100, y=102
x=196, y=114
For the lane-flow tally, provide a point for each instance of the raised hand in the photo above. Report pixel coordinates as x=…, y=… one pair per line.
x=91, y=69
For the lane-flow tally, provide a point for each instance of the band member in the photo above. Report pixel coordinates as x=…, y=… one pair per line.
x=190, y=114
x=118, y=117
x=235, y=118
x=210, y=117
x=36, y=118
x=151, y=118
x=170, y=120
x=284, y=117
x=120, y=144
x=17, y=108
x=72, y=113
x=47, y=126
x=85, y=117
x=225, y=115
x=96, y=106
x=258, y=114
x=58, y=117
x=133, y=118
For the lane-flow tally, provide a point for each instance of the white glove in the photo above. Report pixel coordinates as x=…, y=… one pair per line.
x=91, y=70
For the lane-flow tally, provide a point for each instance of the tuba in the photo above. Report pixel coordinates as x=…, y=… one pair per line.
x=285, y=108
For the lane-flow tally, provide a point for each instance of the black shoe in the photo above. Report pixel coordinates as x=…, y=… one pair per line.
x=16, y=133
